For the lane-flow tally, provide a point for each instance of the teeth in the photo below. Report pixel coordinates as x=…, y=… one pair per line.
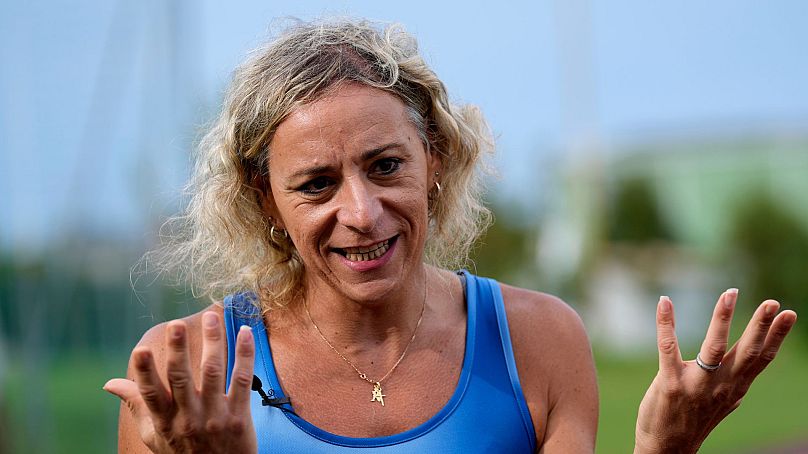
x=356, y=254
x=365, y=250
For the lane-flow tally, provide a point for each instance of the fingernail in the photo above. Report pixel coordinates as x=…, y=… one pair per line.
x=176, y=331
x=730, y=297
x=769, y=309
x=664, y=304
x=246, y=339
x=210, y=320
x=141, y=359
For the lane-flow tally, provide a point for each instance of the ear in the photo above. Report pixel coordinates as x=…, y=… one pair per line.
x=268, y=205
x=434, y=164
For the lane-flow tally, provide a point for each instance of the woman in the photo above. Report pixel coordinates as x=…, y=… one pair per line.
x=337, y=168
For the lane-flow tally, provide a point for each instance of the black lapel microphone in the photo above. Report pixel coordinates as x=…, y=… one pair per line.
x=266, y=400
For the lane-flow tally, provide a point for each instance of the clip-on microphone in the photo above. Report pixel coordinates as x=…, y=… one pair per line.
x=266, y=400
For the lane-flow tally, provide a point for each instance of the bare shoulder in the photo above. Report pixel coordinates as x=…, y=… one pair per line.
x=155, y=337
x=547, y=334
x=532, y=309
x=555, y=366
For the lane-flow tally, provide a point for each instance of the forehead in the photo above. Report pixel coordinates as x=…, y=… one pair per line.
x=350, y=119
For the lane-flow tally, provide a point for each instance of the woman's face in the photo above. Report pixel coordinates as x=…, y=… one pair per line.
x=349, y=177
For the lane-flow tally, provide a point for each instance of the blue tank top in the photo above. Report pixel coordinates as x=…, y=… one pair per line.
x=486, y=413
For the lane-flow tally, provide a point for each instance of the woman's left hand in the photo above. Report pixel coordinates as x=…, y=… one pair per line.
x=686, y=401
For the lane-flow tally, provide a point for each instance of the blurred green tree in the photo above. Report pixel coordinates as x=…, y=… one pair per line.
x=770, y=246
x=506, y=250
x=634, y=214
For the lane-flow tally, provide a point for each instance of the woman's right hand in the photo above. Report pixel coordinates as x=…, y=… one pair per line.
x=180, y=416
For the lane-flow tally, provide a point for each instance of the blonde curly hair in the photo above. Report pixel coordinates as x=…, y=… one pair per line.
x=222, y=244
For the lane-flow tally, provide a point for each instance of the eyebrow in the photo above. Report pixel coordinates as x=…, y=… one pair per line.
x=370, y=154
x=365, y=156
x=311, y=171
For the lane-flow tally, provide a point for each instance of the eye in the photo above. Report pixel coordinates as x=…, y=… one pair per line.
x=315, y=186
x=387, y=166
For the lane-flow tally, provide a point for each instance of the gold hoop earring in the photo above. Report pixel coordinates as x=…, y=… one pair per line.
x=272, y=235
x=432, y=196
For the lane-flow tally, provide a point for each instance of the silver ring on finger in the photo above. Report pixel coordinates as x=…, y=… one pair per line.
x=705, y=366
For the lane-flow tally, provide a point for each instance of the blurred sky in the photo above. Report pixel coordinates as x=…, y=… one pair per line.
x=100, y=101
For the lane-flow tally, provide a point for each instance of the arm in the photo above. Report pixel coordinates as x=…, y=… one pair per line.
x=556, y=370
x=686, y=402
x=166, y=411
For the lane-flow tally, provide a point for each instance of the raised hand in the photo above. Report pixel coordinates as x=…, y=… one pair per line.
x=687, y=400
x=183, y=417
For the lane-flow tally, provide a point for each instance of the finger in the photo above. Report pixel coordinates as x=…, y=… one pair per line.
x=241, y=380
x=715, y=342
x=213, y=380
x=149, y=384
x=670, y=359
x=780, y=328
x=178, y=367
x=750, y=346
x=128, y=392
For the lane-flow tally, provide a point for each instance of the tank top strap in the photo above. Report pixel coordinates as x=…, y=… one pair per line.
x=493, y=347
x=243, y=309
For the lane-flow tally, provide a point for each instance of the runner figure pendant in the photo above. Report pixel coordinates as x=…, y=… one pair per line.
x=377, y=394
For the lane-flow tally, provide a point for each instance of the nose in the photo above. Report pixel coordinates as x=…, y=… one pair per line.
x=359, y=208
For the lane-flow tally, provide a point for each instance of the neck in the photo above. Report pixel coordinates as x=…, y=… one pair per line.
x=353, y=324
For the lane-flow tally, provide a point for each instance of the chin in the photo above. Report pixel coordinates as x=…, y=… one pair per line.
x=372, y=288
x=375, y=277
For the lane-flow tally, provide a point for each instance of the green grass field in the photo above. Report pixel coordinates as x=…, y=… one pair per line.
x=772, y=414
x=70, y=413
x=63, y=409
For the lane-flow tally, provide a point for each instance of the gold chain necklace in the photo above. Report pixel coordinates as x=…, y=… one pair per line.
x=377, y=384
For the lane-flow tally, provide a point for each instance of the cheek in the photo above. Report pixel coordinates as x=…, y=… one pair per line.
x=307, y=225
x=416, y=207
x=414, y=191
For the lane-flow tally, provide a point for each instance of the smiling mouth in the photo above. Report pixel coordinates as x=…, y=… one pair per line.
x=363, y=254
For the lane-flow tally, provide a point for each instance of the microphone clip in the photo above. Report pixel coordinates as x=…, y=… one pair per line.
x=267, y=401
